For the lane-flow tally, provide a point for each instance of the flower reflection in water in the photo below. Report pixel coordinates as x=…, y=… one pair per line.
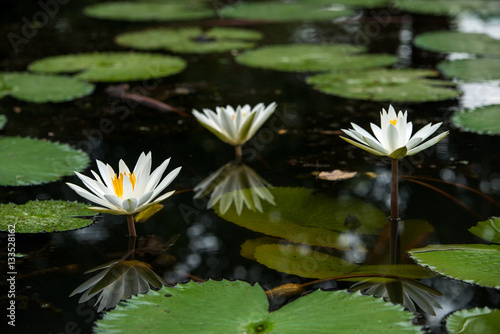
x=405, y=291
x=235, y=183
x=122, y=278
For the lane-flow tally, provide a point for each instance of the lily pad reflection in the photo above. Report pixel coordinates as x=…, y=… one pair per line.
x=476, y=320
x=488, y=230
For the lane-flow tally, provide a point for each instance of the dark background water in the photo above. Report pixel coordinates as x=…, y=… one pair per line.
x=208, y=246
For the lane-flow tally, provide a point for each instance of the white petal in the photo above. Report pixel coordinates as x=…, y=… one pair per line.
x=413, y=142
x=392, y=138
x=377, y=132
x=262, y=115
x=362, y=131
x=164, y=196
x=409, y=129
x=166, y=181
x=122, y=167
x=427, y=144
x=115, y=201
x=105, y=173
x=93, y=185
x=376, y=145
x=129, y=205
x=155, y=177
x=144, y=199
x=91, y=197
x=427, y=130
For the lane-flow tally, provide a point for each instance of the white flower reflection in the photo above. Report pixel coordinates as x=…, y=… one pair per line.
x=235, y=183
x=119, y=280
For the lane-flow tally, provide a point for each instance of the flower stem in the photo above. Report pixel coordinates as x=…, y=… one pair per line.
x=239, y=153
x=131, y=226
x=395, y=247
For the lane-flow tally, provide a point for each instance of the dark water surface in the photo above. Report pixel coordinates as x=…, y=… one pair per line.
x=304, y=140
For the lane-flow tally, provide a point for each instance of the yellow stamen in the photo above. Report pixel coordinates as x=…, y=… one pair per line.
x=242, y=115
x=118, y=183
x=394, y=121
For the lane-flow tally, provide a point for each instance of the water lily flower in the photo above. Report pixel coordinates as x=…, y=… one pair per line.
x=393, y=138
x=235, y=127
x=126, y=193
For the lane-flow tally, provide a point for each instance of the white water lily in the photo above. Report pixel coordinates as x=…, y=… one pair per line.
x=232, y=126
x=126, y=193
x=393, y=138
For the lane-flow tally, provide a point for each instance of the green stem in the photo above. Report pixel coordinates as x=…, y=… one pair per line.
x=131, y=226
x=395, y=247
x=239, y=153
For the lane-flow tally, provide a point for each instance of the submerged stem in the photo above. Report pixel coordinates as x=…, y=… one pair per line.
x=239, y=153
x=395, y=247
x=131, y=226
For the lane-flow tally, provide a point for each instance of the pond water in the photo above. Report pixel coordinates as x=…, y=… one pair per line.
x=299, y=141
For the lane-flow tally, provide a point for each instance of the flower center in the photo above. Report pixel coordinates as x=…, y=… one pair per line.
x=118, y=183
x=394, y=121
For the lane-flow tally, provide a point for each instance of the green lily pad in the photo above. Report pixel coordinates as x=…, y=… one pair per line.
x=190, y=40
x=306, y=262
x=448, y=7
x=453, y=41
x=349, y=3
x=313, y=57
x=44, y=216
x=26, y=161
x=482, y=120
x=303, y=217
x=237, y=307
x=476, y=320
x=488, y=230
x=111, y=66
x=42, y=88
x=282, y=11
x=476, y=264
x=481, y=69
x=3, y=121
x=393, y=85
x=137, y=11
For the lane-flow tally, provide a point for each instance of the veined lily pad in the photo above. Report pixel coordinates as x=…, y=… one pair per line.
x=44, y=216
x=483, y=120
x=449, y=7
x=477, y=264
x=137, y=11
x=237, y=307
x=313, y=57
x=26, y=161
x=3, y=121
x=303, y=217
x=488, y=230
x=476, y=320
x=190, y=40
x=42, y=88
x=111, y=66
x=453, y=41
x=282, y=11
x=481, y=69
x=384, y=85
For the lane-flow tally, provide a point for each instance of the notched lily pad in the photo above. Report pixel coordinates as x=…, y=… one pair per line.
x=283, y=11
x=476, y=264
x=313, y=57
x=44, y=216
x=453, y=41
x=26, y=161
x=136, y=11
x=238, y=307
x=481, y=69
x=472, y=321
x=488, y=230
x=42, y=88
x=190, y=40
x=111, y=66
x=408, y=85
x=483, y=120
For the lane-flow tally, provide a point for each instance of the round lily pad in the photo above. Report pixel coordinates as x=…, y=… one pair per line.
x=142, y=11
x=111, y=66
x=476, y=320
x=483, y=120
x=44, y=216
x=453, y=41
x=313, y=57
x=190, y=40
x=42, y=88
x=488, y=230
x=408, y=85
x=283, y=11
x=480, y=69
x=349, y=3
x=26, y=161
x=237, y=307
x=449, y=7
x=477, y=264
x=300, y=216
